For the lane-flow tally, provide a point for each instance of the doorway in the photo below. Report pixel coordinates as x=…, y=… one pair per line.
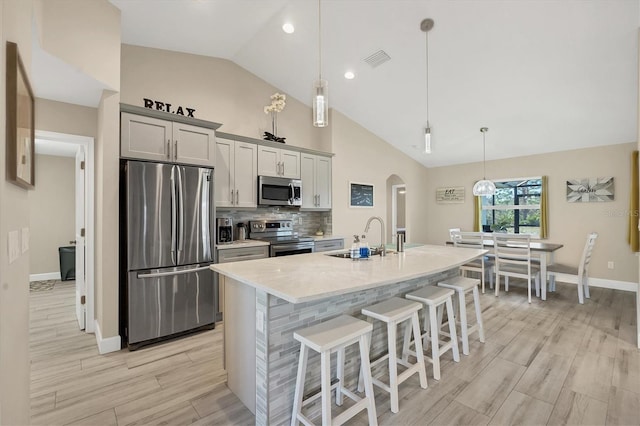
x=398, y=210
x=82, y=149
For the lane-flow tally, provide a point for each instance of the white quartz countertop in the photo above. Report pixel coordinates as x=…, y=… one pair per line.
x=316, y=276
x=243, y=243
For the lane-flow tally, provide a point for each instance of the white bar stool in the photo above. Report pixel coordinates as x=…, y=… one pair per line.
x=330, y=336
x=435, y=297
x=462, y=286
x=393, y=312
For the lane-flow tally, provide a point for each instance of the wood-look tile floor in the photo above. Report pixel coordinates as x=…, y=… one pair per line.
x=554, y=362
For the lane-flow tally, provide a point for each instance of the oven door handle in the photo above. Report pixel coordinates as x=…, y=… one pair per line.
x=294, y=246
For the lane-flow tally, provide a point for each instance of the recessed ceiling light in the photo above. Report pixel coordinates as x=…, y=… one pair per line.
x=288, y=28
x=349, y=75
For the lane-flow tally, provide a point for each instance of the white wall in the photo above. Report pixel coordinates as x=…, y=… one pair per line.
x=569, y=223
x=51, y=212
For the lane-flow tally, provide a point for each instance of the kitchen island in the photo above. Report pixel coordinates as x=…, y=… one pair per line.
x=268, y=299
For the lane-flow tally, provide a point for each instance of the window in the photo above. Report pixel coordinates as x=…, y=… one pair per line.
x=514, y=208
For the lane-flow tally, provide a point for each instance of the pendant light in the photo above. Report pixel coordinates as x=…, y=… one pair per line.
x=426, y=25
x=320, y=102
x=484, y=187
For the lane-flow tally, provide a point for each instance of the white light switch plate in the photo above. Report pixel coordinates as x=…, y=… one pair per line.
x=25, y=239
x=14, y=246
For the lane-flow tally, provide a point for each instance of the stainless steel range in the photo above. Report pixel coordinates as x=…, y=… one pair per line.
x=283, y=240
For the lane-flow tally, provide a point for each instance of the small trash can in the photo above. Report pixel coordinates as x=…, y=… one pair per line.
x=67, y=263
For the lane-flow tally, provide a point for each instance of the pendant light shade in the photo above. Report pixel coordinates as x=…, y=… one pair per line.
x=484, y=187
x=427, y=139
x=426, y=25
x=320, y=99
x=320, y=103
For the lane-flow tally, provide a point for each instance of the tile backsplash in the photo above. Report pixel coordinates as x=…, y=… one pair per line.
x=305, y=223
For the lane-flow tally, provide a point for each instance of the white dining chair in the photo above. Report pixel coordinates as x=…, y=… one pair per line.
x=513, y=259
x=451, y=232
x=482, y=265
x=575, y=275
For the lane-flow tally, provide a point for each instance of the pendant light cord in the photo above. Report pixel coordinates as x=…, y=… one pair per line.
x=484, y=153
x=319, y=42
x=426, y=34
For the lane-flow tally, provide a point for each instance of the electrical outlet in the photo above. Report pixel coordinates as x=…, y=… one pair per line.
x=25, y=239
x=610, y=264
x=259, y=322
x=299, y=220
x=14, y=246
x=326, y=220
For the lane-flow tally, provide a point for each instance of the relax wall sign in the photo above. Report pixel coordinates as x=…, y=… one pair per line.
x=166, y=107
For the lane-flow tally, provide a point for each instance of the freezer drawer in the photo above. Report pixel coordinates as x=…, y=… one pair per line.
x=162, y=302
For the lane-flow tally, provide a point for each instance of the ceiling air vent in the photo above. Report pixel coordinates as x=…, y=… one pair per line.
x=377, y=58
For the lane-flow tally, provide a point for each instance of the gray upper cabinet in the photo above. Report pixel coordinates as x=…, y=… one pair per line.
x=236, y=181
x=149, y=138
x=315, y=171
x=278, y=162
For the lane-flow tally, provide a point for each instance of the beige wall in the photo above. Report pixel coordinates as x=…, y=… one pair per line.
x=14, y=216
x=107, y=186
x=364, y=158
x=66, y=118
x=51, y=203
x=81, y=33
x=569, y=223
x=218, y=89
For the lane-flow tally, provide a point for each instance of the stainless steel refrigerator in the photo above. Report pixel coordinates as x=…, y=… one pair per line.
x=170, y=243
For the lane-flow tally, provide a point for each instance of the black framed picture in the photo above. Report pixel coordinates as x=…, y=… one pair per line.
x=360, y=195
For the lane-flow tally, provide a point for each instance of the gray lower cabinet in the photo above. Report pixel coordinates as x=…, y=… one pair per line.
x=328, y=245
x=227, y=255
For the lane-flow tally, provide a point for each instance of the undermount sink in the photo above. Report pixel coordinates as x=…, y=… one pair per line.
x=347, y=255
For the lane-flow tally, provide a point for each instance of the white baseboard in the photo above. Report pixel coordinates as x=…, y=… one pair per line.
x=613, y=284
x=110, y=344
x=44, y=277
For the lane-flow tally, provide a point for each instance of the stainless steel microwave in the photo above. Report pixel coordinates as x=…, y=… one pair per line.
x=277, y=191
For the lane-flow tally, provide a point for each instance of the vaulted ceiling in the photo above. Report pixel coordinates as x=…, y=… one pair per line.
x=542, y=75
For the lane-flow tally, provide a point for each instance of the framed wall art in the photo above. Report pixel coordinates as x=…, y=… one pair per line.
x=589, y=190
x=450, y=195
x=360, y=195
x=20, y=122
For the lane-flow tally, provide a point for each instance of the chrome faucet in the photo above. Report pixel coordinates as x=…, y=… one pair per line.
x=383, y=251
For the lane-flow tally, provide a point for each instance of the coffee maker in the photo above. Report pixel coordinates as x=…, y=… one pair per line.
x=224, y=230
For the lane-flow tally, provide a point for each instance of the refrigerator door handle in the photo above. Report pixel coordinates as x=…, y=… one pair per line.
x=181, y=230
x=174, y=216
x=168, y=273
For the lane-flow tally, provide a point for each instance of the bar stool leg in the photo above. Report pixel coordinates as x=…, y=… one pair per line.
x=393, y=367
x=463, y=322
x=366, y=376
x=435, y=346
x=476, y=302
x=406, y=344
x=452, y=331
x=325, y=381
x=340, y=375
x=299, y=393
x=415, y=324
